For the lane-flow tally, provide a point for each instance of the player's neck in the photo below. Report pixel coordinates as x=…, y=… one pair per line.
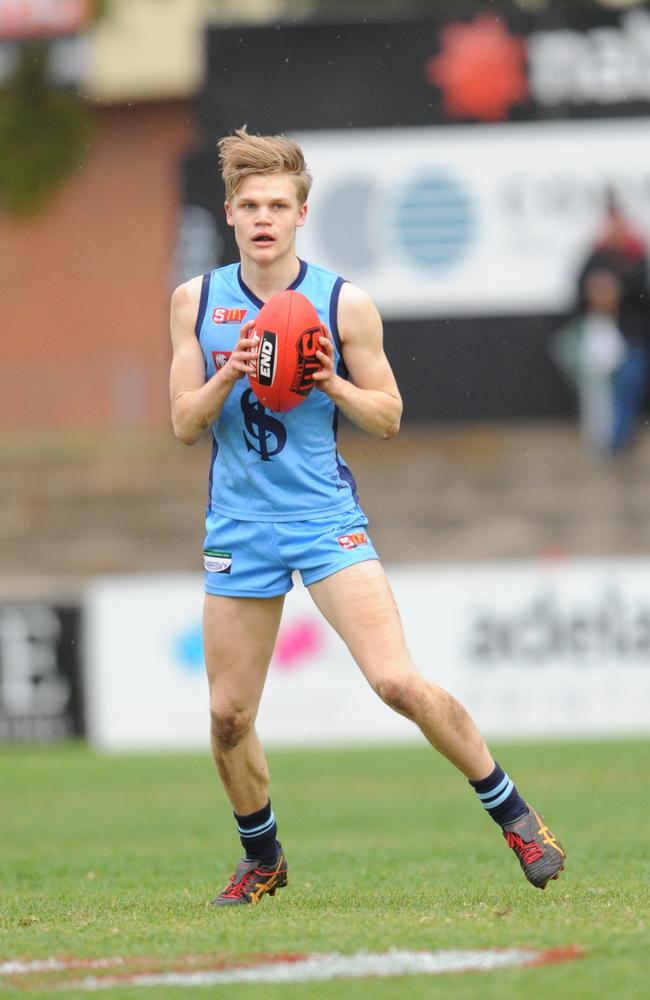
x=266, y=280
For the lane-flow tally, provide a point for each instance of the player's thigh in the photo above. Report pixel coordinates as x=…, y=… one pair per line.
x=359, y=604
x=239, y=634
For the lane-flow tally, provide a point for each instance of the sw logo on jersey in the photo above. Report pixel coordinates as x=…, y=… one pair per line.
x=353, y=539
x=220, y=358
x=223, y=315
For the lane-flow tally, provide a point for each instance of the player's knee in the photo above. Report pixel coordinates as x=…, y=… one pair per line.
x=229, y=725
x=399, y=693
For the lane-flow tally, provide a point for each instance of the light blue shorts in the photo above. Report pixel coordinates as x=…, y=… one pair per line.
x=257, y=558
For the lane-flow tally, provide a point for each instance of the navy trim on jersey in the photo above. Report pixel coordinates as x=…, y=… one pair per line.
x=334, y=312
x=203, y=303
x=253, y=297
x=341, y=369
x=348, y=478
x=213, y=458
x=301, y=274
x=246, y=290
x=343, y=470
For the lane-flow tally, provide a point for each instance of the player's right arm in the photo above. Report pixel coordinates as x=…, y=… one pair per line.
x=195, y=402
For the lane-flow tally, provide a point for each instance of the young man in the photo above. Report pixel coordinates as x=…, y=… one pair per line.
x=280, y=499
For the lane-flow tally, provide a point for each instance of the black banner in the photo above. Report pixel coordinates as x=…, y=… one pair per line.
x=40, y=673
x=464, y=63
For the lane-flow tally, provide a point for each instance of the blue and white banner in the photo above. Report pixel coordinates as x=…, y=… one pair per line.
x=474, y=220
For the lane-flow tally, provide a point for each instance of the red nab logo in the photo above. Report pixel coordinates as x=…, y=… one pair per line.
x=220, y=358
x=223, y=315
x=353, y=539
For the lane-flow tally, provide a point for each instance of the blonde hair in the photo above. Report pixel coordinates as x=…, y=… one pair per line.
x=242, y=154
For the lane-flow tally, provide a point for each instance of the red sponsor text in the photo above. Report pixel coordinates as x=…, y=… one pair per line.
x=224, y=315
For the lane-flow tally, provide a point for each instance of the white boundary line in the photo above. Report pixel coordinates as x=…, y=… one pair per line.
x=17, y=967
x=300, y=969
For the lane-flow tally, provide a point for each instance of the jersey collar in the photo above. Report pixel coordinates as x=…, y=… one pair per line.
x=253, y=297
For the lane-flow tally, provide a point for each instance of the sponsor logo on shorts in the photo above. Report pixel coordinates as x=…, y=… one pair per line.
x=223, y=315
x=220, y=358
x=217, y=562
x=352, y=540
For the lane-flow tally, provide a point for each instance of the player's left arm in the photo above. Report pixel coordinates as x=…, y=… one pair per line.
x=370, y=398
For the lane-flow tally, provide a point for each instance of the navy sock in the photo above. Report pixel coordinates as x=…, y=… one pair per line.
x=258, y=832
x=500, y=797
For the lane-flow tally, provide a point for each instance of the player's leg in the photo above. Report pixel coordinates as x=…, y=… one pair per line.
x=239, y=635
x=359, y=604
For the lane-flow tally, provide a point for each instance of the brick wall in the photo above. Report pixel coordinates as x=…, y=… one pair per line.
x=84, y=287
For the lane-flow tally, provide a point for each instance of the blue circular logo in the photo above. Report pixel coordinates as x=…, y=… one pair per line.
x=435, y=220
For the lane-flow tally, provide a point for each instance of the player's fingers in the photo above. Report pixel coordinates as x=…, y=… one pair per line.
x=246, y=344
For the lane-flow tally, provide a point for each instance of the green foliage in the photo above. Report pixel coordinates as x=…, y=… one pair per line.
x=100, y=9
x=44, y=133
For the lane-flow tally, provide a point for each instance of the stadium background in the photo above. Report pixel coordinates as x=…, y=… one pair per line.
x=461, y=155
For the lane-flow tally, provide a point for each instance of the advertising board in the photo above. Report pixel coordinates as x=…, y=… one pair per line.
x=40, y=682
x=475, y=220
x=534, y=650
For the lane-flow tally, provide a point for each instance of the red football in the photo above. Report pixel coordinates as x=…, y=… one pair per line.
x=287, y=328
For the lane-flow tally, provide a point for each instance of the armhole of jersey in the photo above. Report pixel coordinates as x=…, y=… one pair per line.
x=334, y=325
x=203, y=304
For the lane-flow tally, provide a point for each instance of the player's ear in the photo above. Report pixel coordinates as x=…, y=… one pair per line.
x=302, y=214
x=228, y=210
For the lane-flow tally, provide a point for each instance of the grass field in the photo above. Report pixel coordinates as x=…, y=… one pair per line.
x=108, y=856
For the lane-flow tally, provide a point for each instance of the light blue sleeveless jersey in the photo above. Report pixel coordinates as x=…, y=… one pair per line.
x=269, y=466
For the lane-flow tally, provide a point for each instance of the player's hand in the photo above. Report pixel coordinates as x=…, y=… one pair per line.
x=325, y=378
x=243, y=359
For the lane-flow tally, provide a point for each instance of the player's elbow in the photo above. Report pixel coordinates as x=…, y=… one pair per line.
x=391, y=429
x=183, y=431
x=392, y=421
x=185, y=436
x=184, y=422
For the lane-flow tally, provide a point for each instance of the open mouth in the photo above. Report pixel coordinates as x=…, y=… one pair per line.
x=263, y=238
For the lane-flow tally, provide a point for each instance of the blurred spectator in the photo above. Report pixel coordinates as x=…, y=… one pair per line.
x=604, y=351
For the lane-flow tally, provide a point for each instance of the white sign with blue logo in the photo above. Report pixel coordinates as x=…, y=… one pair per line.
x=469, y=220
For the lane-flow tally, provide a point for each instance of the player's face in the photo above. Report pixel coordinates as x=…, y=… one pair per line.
x=265, y=214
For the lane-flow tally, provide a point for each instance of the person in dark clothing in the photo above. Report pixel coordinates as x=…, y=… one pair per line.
x=621, y=255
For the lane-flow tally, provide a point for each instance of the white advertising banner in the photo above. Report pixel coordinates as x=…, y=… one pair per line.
x=531, y=649
x=469, y=220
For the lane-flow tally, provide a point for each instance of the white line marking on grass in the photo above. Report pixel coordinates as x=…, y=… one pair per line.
x=295, y=969
x=17, y=968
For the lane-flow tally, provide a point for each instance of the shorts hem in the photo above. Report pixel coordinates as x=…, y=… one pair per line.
x=323, y=575
x=246, y=593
